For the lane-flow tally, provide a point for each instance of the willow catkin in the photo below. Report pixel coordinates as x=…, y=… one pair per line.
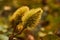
x=15, y=19
x=32, y=17
x=20, y=11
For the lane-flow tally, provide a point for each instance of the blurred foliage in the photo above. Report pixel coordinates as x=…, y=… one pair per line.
x=51, y=13
x=50, y=37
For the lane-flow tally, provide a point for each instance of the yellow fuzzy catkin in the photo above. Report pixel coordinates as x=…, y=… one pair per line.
x=20, y=11
x=15, y=19
x=32, y=17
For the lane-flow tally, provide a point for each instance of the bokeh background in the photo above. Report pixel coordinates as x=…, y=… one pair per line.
x=49, y=27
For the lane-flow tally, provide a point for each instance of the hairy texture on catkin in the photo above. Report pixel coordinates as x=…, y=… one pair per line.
x=15, y=19
x=32, y=18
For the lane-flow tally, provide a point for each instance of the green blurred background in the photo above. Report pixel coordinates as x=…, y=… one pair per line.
x=51, y=15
